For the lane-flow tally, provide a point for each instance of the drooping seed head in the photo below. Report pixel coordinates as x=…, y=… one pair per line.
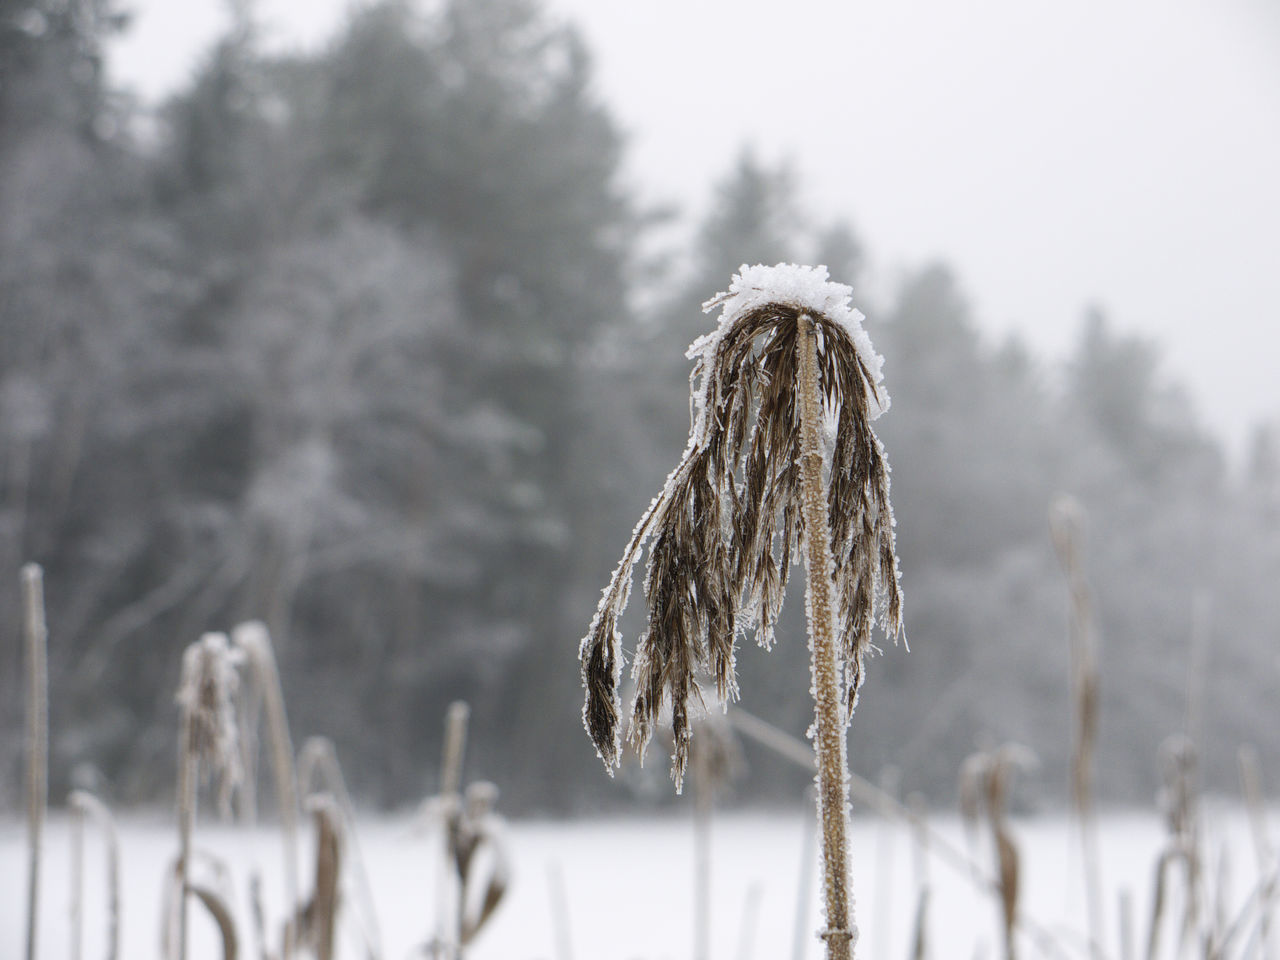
x=727, y=526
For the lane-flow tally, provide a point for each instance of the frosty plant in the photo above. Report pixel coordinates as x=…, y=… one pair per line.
x=781, y=463
x=208, y=739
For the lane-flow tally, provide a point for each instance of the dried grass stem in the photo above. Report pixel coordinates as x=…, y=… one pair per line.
x=36, y=636
x=829, y=720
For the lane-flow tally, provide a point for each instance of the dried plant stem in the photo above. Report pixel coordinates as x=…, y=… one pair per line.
x=986, y=781
x=249, y=709
x=920, y=860
x=188, y=769
x=221, y=914
x=448, y=884
x=866, y=792
x=1008, y=860
x=321, y=918
x=1256, y=902
x=455, y=744
x=286, y=784
x=920, y=927
x=1213, y=939
x=1158, y=900
x=258, y=916
x=84, y=806
x=254, y=639
x=318, y=762
x=1066, y=522
x=1180, y=799
x=36, y=636
x=77, y=881
x=829, y=721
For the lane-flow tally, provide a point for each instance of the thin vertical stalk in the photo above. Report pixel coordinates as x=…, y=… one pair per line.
x=1066, y=523
x=449, y=890
x=324, y=903
x=920, y=927
x=985, y=786
x=207, y=738
x=255, y=640
x=920, y=863
x=455, y=744
x=829, y=721
x=318, y=762
x=258, y=916
x=77, y=880
x=1159, y=898
x=85, y=805
x=1197, y=909
x=188, y=767
x=37, y=636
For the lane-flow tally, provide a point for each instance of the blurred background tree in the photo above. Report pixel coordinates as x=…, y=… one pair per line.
x=363, y=342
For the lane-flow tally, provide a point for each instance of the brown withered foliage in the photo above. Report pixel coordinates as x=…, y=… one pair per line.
x=727, y=527
x=986, y=783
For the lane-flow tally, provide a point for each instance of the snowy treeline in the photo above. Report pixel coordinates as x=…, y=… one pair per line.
x=366, y=344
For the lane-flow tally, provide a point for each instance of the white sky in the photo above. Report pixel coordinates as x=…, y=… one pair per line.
x=1124, y=152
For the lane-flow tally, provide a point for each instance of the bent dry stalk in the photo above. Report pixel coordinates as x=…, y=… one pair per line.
x=781, y=464
x=85, y=806
x=254, y=640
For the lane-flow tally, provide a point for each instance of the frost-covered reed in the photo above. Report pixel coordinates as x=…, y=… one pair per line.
x=1066, y=526
x=781, y=464
x=986, y=783
x=85, y=806
x=209, y=741
x=254, y=641
x=36, y=638
x=473, y=873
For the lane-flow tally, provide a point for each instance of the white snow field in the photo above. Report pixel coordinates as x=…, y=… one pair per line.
x=628, y=886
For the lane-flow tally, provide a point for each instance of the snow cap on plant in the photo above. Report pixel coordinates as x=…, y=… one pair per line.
x=728, y=522
x=806, y=289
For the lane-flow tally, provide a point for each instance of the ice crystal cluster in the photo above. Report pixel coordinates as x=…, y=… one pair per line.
x=727, y=524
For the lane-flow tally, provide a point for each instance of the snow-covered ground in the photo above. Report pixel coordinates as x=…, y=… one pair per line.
x=628, y=885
